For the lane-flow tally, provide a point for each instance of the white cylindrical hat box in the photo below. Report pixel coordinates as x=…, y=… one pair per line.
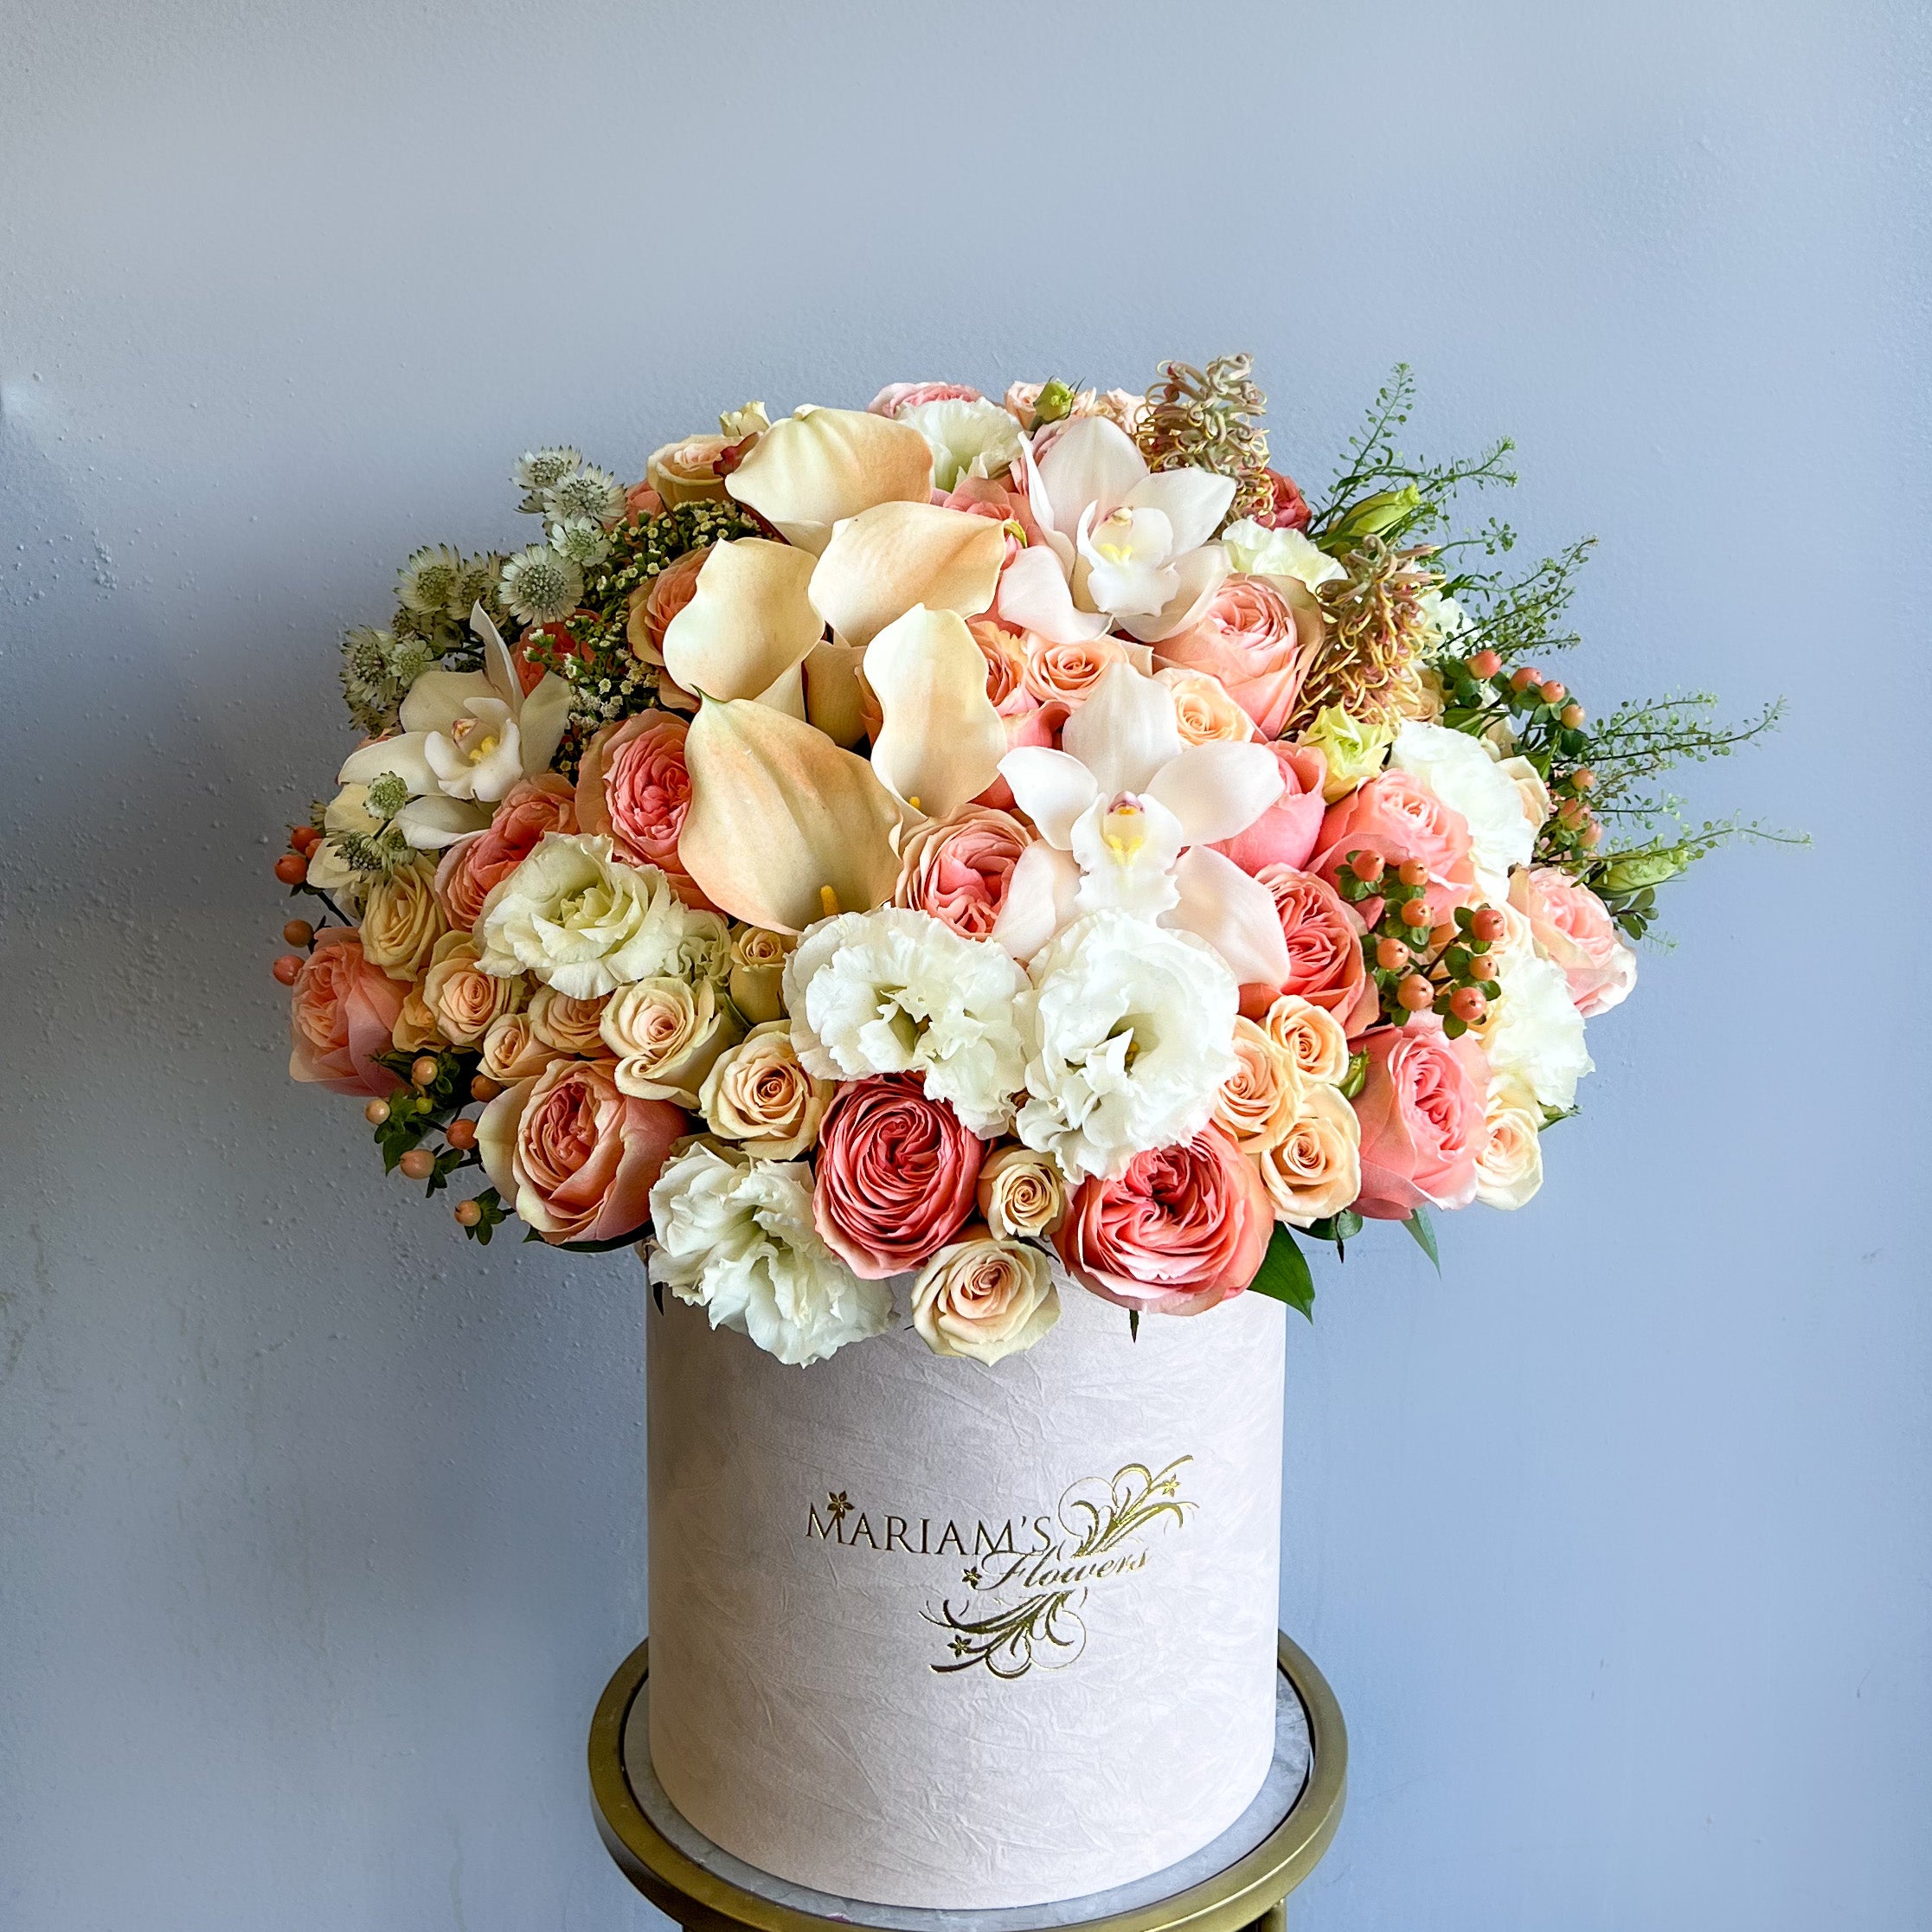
x=931, y=1633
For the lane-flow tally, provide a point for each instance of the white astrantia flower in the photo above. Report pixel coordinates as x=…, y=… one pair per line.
x=581, y=539
x=1129, y=1031
x=429, y=579
x=543, y=468
x=581, y=922
x=1534, y=1035
x=966, y=439
x=1461, y=772
x=896, y=991
x=737, y=1240
x=588, y=492
x=538, y=586
x=1257, y=551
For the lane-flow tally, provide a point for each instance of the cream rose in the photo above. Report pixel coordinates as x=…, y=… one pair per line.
x=1260, y=1098
x=415, y=1030
x=511, y=1052
x=666, y=1034
x=1204, y=712
x=984, y=1298
x=1509, y=1169
x=757, y=972
x=1069, y=671
x=1312, y=1037
x=1531, y=791
x=1020, y=1194
x=758, y=1094
x=571, y=1025
x=1315, y=1169
x=403, y=920
x=462, y=996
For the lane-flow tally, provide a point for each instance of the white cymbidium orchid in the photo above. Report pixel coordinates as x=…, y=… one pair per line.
x=1127, y=814
x=467, y=737
x=1128, y=546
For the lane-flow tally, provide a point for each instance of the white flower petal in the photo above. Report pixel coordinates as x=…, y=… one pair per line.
x=1194, y=502
x=1200, y=574
x=408, y=756
x=941, y=740
x=1125, y=731
x=433, y=821
x=1234, y=914
x=1039, y=901
x=540, y=720
x=1034, y=594
x=438, y=698
x=1216, y=790
x=1126, y=856
x=1090, y=461
x=1051, y=788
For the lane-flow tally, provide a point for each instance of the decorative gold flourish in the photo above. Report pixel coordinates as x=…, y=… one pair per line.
x=840, y=1506
x=1370, y=659
x=1204, y=419
x=1044, y=1626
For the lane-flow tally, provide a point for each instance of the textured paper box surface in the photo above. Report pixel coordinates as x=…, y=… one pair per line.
x=929, y=1633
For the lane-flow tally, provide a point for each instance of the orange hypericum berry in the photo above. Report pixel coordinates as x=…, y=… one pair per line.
x=461, y=1135
x=376, y=1112
x=286, y=967
x=1522, y=680
x=1572, y=716
x=424, y=1071
x=1582, y=779
x=1468, y=1005
x=298, y=932
x=482, y=1088
x=1413, y=871
x=1416, y=913
x=418, y=1164
x=1554, y=692
x=1416, y=993
x=1367, y=866
x=1488, y=925
x=304, y=839
x=468, y=1214
x=291, y=869
x=1484, y=663
x=1391, y=955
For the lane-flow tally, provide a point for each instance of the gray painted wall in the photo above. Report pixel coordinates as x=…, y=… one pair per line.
x=320, y=1530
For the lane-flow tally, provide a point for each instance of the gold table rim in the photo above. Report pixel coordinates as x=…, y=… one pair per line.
x=1252, y=1885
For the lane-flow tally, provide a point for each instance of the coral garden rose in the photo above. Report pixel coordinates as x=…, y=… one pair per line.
x=758, y=1094
x=896, y=1174
x=1286, y=833
x=1004, y=651
x=1421, y=1112
x=1315, y=1169
x=1570, y=925
x=653, y=605
x=403, y=920
x=667, y=1034
x=757, y=971
x=1069, y=671
x=1258, y=635
x=461, y=997
x=1396, y=815
x=1324, y=937
x=1179, y=1230
x=1258, y=1100
x=343, y=1012
x=896, y=396
x=473, y=867
x=1020, y=1193
x=577, y=1157
x=1287, y=507
x=958, y=870
x=569, y=1024
x=984, y=1298
x=1204, y=712
x=633, y=786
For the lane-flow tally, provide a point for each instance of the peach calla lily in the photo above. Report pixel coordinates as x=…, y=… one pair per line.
x=888, y=559
x=749, y=622
x=816, y=467
x=779, y=818
x=942, y=742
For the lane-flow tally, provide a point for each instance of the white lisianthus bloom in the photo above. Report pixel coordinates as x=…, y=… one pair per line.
x=1461, y=772
x=896, y=991
x=579, y=920
x=1130, y=1032
x=1257, y=551
x=1509, y=1169
x=737, y=1241
x=966, y=439
x=1534, y=1035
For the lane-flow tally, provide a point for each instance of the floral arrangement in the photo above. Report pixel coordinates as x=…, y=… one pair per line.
x=997, y=847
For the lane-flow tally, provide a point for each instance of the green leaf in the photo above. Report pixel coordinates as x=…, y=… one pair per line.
x=1134, y=1324
x=1284, y=1275
x=1423, y=1232
x=1357, y=1075
x=630, y=1240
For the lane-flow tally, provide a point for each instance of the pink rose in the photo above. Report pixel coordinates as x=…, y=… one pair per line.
x=577, y=1157
x=1421, y=1112
x=896, y=396
x=1004, y=651
x=1003, y=502
x=1256, y=642
x=1569, y=923
x=1289, y=508
x=653, y=605
x=898, y=1173
x=344, y=1013
x=1324, y=937
x=1070, y=672
x=1396, y=815
x=1285, y=834
x=640, y=500
x=1181, y=1229
x=958, y=870
x=632, y=787
x=474, y=866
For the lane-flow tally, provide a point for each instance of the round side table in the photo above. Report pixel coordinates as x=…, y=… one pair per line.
x=1242, y=1880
